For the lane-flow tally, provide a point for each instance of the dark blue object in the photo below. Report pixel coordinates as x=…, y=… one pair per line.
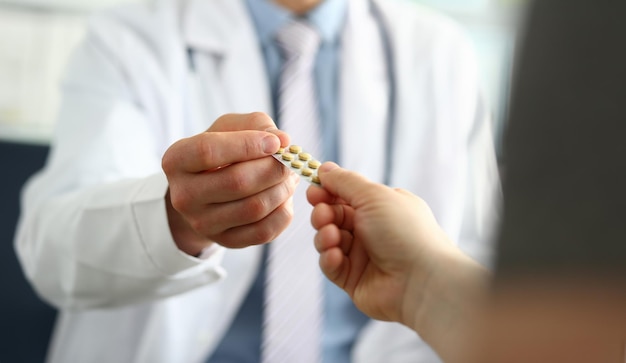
x=25, y=320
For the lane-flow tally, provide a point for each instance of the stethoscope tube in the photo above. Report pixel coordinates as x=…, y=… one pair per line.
x=391, y=76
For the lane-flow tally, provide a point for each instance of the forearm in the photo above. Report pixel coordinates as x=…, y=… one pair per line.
x=553, y=316
x=442, y=309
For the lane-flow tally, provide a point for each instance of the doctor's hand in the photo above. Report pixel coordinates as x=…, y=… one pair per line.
x=384, y=247
x=224, y=186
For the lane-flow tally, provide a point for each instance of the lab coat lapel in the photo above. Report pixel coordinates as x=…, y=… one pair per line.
x=229, y=77
x=408, y=106
x=364, y=92
x=229, y=62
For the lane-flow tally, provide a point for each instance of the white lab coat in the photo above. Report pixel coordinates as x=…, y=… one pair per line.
x=94, y=238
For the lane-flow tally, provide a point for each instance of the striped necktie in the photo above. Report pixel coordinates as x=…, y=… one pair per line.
x=293, y=291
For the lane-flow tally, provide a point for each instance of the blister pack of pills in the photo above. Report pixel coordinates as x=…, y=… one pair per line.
x=300, y=162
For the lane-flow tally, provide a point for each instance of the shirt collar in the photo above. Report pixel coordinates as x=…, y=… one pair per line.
x=328, y=18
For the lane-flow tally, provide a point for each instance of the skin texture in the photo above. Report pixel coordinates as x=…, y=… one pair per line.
x=225, y=187
x=222, y=188
x=384, y=247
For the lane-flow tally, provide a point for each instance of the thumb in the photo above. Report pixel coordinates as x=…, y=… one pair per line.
x=348, y=185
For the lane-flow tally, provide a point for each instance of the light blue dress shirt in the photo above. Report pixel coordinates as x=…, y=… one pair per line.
x=342, y=321
x=328, y=18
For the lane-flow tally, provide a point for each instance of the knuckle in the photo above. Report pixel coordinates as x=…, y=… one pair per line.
x=221, y=122
x=256, y=209
x=207, y=147
x=206, y=226
x=168, y=162
x=259, y=119
x=179, y=199
x=284, y=216
x=264, y=234
x=196, y=224
x=240, y=182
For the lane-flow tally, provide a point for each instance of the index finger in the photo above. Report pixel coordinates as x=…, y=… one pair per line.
x=346, y=185
x=242, y=121
x=248, y=121
x=211, y=150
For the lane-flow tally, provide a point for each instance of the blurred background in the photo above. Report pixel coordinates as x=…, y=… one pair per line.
x=36, y=39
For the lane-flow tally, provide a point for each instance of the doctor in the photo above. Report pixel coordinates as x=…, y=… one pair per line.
x=149, y=224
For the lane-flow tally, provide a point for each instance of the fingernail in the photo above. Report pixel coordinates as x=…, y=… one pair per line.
x=270, y=144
